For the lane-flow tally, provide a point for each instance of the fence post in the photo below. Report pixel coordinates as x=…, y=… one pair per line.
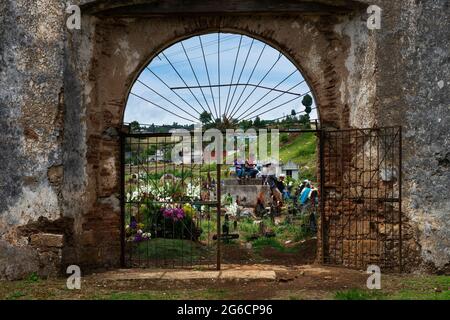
x=219, y=205
x=322, y=192
x=122, y=198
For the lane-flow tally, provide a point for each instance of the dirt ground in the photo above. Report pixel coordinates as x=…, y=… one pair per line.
x=292, y=283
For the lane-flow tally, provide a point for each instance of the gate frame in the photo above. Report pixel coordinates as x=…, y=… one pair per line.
x=399, y=152
x=321, y=136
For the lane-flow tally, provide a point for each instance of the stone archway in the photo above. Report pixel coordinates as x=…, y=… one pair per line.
x=60, y=187
x=120, y=47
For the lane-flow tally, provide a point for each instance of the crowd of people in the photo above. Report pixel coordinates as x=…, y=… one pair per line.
x=304, y=197
x=246, y=169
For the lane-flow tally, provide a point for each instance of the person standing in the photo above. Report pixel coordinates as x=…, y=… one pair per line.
x=304, y=198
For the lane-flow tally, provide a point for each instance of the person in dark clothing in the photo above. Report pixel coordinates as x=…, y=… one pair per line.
x=239, y=168
x=282, y=187
x=250, y=169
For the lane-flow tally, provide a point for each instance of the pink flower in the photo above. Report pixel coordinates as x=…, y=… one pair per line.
x=174, y=214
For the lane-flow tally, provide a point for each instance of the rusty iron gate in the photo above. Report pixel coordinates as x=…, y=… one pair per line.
x=360, y=222
x=361, y=197
x=169, y=210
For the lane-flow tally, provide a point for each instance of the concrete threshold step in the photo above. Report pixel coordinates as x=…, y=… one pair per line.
x=190, y=275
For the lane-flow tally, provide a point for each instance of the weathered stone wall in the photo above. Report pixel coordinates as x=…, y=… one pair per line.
x=31, y=109
x=62, y=97
x=413, y=79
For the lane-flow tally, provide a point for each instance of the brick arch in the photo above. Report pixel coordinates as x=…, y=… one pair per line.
x=325, y=92
x=124, y=46
x=135, y=75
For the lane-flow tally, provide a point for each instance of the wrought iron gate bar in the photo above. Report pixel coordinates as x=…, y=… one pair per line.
x=207, y=74
x=176, y=93
x=195, y=76
x=235, y=84
x=184, y=81
x=273, y=108
x=240, y=74
x=275, y=87
x=169, y=134
x=361, y=198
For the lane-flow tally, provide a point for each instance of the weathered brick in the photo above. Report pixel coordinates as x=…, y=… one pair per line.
x=43, y=240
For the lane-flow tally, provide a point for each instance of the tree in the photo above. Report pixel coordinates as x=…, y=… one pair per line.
x=305, y=121
x=135, y=126
x=257, y=123
x=205, y=117
x=307, y=102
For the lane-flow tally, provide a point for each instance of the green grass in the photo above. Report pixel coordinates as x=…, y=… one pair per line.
x=302, y=150
x=170, y=249
x=209, y=228
x=415, y=288
x=424, y=288
x=401, y=287
x=283, y=231
x=247, y=228
x=263, y=242
x=210, y=293
x=16, y=295
x=33, y=277
x=357, y=294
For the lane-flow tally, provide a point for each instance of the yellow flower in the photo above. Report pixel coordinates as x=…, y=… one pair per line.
x=188, y=210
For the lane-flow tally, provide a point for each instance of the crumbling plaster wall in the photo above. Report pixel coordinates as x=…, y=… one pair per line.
x=62, y=95
x=31, y=73
x=413, y=79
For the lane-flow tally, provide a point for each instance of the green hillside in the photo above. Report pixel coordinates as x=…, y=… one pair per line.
x=300, y=148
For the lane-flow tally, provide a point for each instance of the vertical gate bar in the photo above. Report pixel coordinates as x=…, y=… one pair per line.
x=328, y=197
x=400, y=197
x=385, y=197
x=122, y=199
x=363, y=190
x=392, y=147
x=377, y=235
x=147, y=144
x=164, y=240
x=181, y=204
x=350, y=185
x=358, y=180
x=219, y=196
x=335, y=217
x=155, y=244
x=130, y=204
x=344, y=205
x=393, y=165
x=370, y=195
x=350, y=194
x=322, y=191
x=139, y=201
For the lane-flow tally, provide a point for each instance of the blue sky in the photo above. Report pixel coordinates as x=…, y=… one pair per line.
x=252, y=66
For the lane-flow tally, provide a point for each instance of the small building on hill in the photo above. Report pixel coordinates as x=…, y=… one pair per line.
x=290, y=169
